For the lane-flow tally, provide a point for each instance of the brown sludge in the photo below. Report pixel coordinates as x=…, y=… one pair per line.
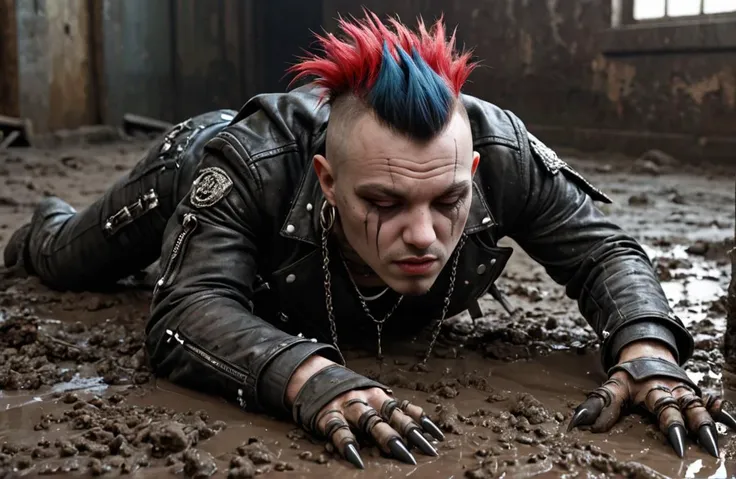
x=77, y=397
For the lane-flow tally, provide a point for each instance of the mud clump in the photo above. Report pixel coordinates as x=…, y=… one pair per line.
x=108, y=434
x=529, y=407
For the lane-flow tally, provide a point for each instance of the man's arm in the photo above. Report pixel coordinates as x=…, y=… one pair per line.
x=602, y=267
x=202, y=332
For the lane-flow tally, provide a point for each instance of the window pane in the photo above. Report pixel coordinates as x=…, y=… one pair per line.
x=648, y=9
x=719, y=6
x=679, y=8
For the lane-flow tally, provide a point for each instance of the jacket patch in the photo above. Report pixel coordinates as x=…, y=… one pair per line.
x=211, y=186
x=554, y=164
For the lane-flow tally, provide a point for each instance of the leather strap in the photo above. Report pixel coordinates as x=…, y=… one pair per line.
x=646, y=368
x=323, y=387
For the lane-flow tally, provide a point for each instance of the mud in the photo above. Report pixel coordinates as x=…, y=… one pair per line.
x=77, y=399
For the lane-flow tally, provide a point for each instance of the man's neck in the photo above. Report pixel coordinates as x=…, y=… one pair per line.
x=362, y=274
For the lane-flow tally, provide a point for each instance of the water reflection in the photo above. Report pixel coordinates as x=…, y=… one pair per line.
x=695, y=470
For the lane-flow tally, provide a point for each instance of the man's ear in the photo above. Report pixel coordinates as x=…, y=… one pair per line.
x=476, y=160
x=326, y=177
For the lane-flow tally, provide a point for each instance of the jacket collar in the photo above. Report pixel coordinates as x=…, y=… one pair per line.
x=302, y=222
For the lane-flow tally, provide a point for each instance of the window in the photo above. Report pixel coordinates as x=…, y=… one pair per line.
x=670, y=26
x=666, y=9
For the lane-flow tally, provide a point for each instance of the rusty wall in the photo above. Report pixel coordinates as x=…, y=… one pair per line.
x=556, y=64
x=55, y=85
x=8, y=59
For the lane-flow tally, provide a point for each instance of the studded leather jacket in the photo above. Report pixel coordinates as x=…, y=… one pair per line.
x=241, y=300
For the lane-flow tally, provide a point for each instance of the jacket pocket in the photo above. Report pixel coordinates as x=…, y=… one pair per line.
x=189, y=224
x=235, y=373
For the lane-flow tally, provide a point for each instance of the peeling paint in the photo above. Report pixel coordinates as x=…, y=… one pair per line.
x=555, y=20
x=613, y=78
x=723, y=82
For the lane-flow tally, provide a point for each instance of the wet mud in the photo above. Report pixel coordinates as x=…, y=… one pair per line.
x=77, y=399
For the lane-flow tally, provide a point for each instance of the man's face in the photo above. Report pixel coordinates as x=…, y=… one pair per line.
x=402, y=205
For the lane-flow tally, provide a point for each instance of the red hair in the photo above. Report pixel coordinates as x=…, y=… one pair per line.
x=353, y=65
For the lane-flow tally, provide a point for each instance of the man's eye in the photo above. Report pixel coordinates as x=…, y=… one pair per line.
x=449, y=202
x=382, y=204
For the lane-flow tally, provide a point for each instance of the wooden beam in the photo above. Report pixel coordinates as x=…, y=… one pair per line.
x=9, y=104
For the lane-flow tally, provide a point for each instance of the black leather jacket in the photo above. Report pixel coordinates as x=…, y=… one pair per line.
x=241, y=302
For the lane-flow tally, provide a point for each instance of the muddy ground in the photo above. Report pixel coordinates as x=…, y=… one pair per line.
x=76, y=397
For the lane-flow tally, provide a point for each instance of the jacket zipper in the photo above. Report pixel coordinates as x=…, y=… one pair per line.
x=219, y=365
x=189, y=224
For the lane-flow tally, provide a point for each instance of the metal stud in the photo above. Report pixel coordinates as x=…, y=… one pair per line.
x=290, y=228
x=492, y=262
x=481, y=269
x=309, y=206
x=486, y=220
x=291, y=278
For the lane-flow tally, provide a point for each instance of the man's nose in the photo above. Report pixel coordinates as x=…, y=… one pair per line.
x=420, y=230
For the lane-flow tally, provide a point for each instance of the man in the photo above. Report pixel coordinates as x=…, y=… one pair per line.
x=368, y=203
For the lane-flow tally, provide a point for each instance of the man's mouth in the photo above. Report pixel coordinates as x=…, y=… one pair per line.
x=416, y=266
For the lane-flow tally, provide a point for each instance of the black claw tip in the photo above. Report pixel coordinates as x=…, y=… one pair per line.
x=708, y=438
x=400, y=451
x=432, y=428
x=351, y=455
x=676, y=435
x=415, y=438
x=726, y=418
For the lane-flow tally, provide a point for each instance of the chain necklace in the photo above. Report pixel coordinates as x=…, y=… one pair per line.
x=367, y=311
x=327, y=221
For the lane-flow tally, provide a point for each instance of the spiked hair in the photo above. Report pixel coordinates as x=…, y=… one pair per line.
x=411, y=80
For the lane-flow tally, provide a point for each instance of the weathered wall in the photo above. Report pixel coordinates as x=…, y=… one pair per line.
x=555, y=63
x=547, y=60
x=8, y=59
x=54, y=64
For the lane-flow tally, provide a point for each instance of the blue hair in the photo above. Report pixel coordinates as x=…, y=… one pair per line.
x=410, y=97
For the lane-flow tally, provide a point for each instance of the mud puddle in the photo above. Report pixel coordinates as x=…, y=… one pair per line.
x=77, y=399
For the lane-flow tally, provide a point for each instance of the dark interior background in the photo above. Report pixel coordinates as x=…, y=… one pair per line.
x=578, y=72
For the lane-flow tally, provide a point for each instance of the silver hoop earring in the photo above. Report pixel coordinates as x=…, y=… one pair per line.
x=327, y=216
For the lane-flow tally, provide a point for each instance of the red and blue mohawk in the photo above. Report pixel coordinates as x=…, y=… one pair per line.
x=411, y=80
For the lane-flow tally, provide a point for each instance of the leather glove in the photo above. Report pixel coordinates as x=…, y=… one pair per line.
x=661, y=388
x=336, y=399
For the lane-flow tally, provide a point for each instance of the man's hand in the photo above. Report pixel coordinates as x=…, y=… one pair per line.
x=647, y=376
x=324, y=402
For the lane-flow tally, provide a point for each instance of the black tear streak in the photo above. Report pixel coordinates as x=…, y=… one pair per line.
x=378, y=232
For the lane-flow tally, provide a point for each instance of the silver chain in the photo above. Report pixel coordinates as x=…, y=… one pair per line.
x=448, y=296
x=379, y=324
x=367, y=311
x=328, y=291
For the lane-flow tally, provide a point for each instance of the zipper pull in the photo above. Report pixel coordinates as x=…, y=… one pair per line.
x=170, y=335
x=176, y=336
x=240, y=400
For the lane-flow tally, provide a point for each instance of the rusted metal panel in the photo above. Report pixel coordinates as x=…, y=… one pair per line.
x=54, y=64
x=71, y=100
x=9, y=105
x=138, y=51
x=208, y=55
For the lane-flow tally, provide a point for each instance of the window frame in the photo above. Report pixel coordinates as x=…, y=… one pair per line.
x=704, y=32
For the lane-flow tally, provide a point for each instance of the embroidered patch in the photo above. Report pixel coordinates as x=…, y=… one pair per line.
x=211, y=186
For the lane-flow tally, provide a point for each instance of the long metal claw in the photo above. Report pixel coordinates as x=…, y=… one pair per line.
x=708, y=438
x=676, y=436
x=431, y=428
x=400, y=451
x=725, y=418
x=415, y=438
x=586, y=413
x=351, y=455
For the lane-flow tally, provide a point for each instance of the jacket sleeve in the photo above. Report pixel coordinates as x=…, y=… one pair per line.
x=602, y=267
x=202, y=332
